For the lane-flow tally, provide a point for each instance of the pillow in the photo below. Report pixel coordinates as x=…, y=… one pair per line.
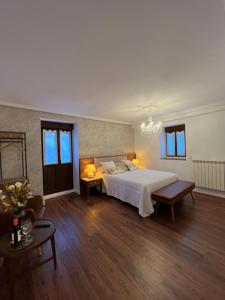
x=100, y=171
x=108, y=165
x=121, y=166
x=113, y=171
x=130, y=165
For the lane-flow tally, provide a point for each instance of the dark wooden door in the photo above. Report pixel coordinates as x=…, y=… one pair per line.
x=57, y=157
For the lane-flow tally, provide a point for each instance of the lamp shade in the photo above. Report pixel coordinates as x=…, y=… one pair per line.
x=90, y=169
x=136, y=162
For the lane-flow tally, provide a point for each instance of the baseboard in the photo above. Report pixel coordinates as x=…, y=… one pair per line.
x=77, y=191
x=61, y=194
x=210, y=192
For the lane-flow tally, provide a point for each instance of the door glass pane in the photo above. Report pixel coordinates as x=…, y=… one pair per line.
x=180, y=143
x=170, y=151
x=50, y=147
x=65, y=147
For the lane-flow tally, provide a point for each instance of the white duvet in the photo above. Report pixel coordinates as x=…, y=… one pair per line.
x=135, y=187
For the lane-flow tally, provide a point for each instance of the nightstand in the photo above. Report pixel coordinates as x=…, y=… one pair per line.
x=87, y=183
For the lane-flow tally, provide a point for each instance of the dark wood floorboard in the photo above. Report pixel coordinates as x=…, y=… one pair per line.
x=106, y=250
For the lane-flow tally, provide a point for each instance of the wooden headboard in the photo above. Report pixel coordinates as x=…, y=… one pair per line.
x=91, y=160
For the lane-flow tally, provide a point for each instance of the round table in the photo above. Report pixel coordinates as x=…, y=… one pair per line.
x=41, y=234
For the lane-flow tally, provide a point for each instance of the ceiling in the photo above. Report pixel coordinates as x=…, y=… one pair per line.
x=112, y=59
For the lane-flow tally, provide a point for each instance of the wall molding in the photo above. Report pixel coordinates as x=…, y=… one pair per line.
x=34, y=108
x=200, y=110
x=197, y=111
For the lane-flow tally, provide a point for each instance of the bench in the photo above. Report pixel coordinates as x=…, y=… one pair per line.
x=172, y=194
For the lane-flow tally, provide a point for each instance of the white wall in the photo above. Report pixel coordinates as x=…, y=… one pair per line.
x=205, y=139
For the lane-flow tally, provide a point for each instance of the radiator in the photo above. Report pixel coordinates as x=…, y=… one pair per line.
x=210, y=174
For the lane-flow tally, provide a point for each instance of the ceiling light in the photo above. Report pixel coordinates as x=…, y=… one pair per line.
x=150, y=127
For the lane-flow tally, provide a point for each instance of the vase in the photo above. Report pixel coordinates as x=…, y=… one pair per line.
x=20, y=214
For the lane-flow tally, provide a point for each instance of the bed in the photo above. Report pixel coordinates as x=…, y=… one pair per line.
x=135, y=187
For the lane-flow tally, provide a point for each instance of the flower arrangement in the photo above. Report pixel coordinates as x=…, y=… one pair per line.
x=14, y=197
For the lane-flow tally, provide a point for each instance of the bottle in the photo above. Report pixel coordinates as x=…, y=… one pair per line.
x=16, y=233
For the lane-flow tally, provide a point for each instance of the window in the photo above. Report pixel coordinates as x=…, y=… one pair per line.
x=175, y=141
x=65, y=147
x=50, y=147
x=57, y=143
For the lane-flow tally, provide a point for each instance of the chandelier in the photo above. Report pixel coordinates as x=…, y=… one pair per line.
x=151, y=127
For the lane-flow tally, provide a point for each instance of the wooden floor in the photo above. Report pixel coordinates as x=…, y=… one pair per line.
x=107, y=251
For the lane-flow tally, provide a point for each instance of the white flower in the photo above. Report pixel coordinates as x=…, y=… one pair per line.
x=13, y=199
x=19, y=204
x=18, y=185
x=11, y=187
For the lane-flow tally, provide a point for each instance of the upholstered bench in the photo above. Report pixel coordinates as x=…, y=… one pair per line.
x=172, y=194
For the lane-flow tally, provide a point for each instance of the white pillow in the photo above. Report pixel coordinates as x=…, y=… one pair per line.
x=114, y=171
x=108, y=165
x=130, y=165
x=121, y=165
x=100, y=171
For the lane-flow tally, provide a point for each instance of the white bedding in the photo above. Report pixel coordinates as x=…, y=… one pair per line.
x=135, y=187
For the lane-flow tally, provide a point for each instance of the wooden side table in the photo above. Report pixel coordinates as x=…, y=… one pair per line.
x=42, y=235
x=88, y=183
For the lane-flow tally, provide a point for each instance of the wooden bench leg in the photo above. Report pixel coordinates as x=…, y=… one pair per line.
x=193, y=199
x=172, y=213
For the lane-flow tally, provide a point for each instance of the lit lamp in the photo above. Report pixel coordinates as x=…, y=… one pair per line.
x=136, y=162
x=90, y=170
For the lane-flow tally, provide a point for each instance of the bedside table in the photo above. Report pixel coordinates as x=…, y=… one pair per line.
x=87, y=183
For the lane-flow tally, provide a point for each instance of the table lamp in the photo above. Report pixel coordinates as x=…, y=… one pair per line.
x=90, y=170
x=136, y=162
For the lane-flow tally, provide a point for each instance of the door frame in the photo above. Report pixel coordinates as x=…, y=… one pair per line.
x=57, y=125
